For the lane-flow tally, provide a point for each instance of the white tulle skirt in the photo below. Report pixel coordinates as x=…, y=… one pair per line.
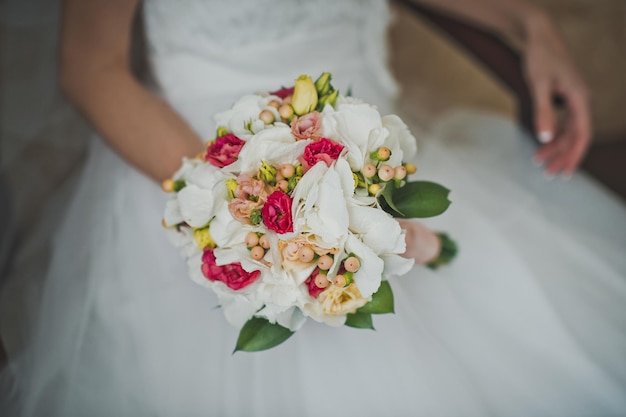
x=530, y=320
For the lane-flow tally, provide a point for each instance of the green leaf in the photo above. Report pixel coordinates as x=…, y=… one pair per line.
x=259, y=334
x=416, y=199
x=360, y=320
x=382, y=301
x=387, y=202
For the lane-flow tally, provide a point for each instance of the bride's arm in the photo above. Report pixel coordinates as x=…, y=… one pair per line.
x=95, y=76
x=549, y=70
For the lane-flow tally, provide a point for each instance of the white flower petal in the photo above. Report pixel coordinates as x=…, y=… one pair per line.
x=369, y=275
x=377, y=229
x=396, y=265
x=172, y=215
x=196, y=205
x=400, y=131
x=225, y=230
x=277, y=146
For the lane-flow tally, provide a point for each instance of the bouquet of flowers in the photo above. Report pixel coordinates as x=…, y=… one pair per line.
x=289, y=213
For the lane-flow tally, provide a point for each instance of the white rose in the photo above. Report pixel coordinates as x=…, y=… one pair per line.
x=378, y=230
x=277, y=146
x=243, y=114
x=358, y=127
x=319, y=203
x=204, y=193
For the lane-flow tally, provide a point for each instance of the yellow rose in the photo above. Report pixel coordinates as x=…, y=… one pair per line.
x=338, y=300
x=304, y=95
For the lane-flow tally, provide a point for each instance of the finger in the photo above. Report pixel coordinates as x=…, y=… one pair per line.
x=578, y=128
x=555, y=157
x=557, y=162
x=544, y=112
x=548, y=151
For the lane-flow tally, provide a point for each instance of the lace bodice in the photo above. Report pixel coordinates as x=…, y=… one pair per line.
x=206, y=53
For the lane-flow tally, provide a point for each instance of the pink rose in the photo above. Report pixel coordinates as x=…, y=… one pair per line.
x=233, y=275
x=224, y=151
x=323, y=150
x=308, y=126
x=242, y=209
x=248, y=186
x=283, y=92
x=276, y=212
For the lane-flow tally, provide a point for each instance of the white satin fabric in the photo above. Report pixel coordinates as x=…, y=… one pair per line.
x=530, y=320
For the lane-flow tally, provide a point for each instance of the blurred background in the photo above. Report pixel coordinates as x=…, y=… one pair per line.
x=43, y=141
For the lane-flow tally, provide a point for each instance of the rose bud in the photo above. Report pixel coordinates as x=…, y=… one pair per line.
x=304, y=95
x=322, y=84
x=369, y=170
x=221, y=131
x=328, y=99
x=386, y=173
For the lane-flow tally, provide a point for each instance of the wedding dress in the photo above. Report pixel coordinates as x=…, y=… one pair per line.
x=530, y=319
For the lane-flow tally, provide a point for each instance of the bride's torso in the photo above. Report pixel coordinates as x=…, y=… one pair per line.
x=207, y=53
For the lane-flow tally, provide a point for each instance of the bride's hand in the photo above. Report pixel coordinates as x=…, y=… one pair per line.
x=551, y=73
x=422, y=244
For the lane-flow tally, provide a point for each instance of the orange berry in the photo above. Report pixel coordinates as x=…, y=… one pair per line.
x=264, y=241
x=267, y=117
x=374, y=189
x=257, y=253
x=400, y=172
x=285, y=111
x=168, y=185
x=252, y=239
x=386, y=173
x=283, y=185
x=306, y=254
x=369, y=170
x=340, y=281
x=325, y=262
x=321, y=281
x=383, y=153
x=352, y=264
x=287, y=170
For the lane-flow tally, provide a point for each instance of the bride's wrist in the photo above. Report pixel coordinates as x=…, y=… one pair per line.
x=534, y=24
x=526, y=23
